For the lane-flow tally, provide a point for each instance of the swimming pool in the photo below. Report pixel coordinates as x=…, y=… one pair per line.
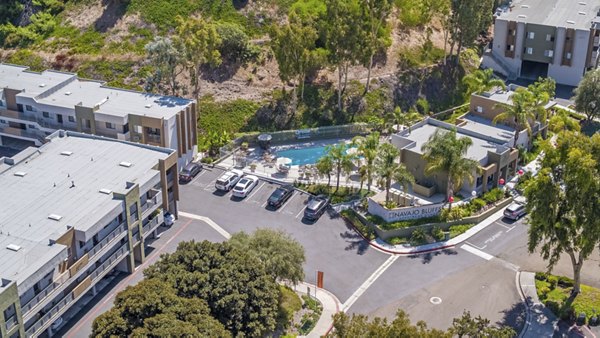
x=304, y=155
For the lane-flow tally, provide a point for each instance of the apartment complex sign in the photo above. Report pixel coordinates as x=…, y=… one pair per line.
x=402, y=214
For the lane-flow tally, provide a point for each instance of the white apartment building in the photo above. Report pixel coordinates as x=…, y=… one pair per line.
x=71, y=211
x=34, y=105
x=549, y=38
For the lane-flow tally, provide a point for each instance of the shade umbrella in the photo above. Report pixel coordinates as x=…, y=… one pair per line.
x=284, y=160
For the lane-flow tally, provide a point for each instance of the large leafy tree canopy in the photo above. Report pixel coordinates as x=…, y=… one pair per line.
x=564, y=201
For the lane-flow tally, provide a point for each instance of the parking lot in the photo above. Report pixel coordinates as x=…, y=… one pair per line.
x=331, y=246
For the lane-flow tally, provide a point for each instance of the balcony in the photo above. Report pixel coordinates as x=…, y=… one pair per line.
x=11, y=114
x=115, y=235
x=123, y=136
x=64, y=303
x=151, y=225
x=23, y=134
x=151, y=203
x=153, y=139
x=11, y=322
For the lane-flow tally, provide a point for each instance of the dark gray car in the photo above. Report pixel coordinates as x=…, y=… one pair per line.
x=315, y=207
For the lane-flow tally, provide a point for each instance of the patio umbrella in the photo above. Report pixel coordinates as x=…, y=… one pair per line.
x=284, y=160
x=352, y=151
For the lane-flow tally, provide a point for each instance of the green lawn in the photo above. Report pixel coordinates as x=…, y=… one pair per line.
x=554, y=292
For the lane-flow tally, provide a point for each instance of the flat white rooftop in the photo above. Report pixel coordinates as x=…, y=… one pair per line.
x=57, y=186
x=576, y=14
x=74, y=91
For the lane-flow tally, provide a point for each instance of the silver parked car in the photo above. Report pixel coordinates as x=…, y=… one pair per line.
x=516, y=209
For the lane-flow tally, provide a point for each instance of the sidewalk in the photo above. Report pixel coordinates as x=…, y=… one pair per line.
x=331, y=306
x=540, y=322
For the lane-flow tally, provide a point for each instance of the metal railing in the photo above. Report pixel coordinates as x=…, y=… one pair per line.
x=39, y=297
x=149, y=226
x=49, y=316
x=11, y=322
x=48, y=291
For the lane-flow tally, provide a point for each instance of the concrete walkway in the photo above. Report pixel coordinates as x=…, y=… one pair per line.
x=331, y=305
x=540, y=322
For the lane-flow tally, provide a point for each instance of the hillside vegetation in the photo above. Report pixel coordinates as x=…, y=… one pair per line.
x=300, y=62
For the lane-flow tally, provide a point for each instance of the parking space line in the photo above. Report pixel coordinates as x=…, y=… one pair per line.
x=301, y=211
x=364, y=286
x=211, y=185
x=514, y=226
x=253, y=193
x=475, y=246
x=476, y=252
x=287, y=202
x=505, y=227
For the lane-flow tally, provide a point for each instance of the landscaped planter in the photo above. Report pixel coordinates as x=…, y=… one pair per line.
x=423, y=190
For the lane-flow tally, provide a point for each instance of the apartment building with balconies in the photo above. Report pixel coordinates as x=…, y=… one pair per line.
x=548, y=38
x=72, y=211
x=34, y=105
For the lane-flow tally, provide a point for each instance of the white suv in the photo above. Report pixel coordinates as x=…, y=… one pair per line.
x=228, y=179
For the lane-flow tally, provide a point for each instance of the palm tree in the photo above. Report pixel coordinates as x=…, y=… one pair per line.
x=405, y=118
x=482, y=80
x=562, y=121
x=389, y=169
x=324, y=167
x=342, y=161
x=523, y=111
x=444, y=152
x=367, y=149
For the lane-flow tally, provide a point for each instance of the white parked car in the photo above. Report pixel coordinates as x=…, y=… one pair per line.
x=228, y=179
x=245, y=186
x=169, y=219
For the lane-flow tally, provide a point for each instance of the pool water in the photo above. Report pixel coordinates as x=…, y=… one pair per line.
x=300, y=156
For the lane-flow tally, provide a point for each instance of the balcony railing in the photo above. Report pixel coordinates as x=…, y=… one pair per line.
x=49, y=290
x=119, y=230
x=153, y=138
x=150, y=203
x=150, y=225
x=39, y=297
x=49, y=316
x=11, y=322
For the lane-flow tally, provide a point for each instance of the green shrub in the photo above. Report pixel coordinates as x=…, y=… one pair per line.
x=456, y=230
x=365, y=230
x=553, y=281
x=234, y=41
x=477, y=204
x=375, y=219
x=493, y=195
x=26, y=57
x=422, y=106
x=289, y=303
x=541, y=276
x=437, y=233
x=418, y=236
x=207, y=160
x=396, y=240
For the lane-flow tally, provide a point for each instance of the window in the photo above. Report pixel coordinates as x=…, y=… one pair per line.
x=479, y=109
x=568, y=56
x=1, y=103
x=549, y=53
x=28, y=107
x=30, y=126
x=110, y=125
x=531, y=35
x=2, y=121
x=529, y=50
x=71, y=119
x=126, y=128
x=46, y=114
x=548, y=37
x=153, y=131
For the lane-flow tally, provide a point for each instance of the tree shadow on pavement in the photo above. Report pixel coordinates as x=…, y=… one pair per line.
x=514, y=317
x=354, y=239
x=428, y=256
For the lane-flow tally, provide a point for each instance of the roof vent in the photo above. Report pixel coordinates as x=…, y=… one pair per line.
x=149, y=105
x=524, y=6
x=42, y=85
x=125, y=164
x=54, y=217
x=582, y=3
x=571, y=22
x=66, y=153
x=68, y=93
x=105, y=191
x=581, y=13
x=20, y=173
x=522, y=16
x=13, y=247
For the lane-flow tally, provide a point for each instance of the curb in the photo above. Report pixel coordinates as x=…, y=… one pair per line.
x=524, y=301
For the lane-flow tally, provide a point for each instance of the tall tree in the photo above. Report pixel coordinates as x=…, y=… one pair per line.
x=445, y=152
x=562, y=121
x=153, y=307
x=344, y=38
x=522, y=112
x=199, y=42
x=468, y=19
x=388, y=168
x=234, y=283
x=406, y=119
x=367, y=149
x=469, y=326
x=587, y=95
x=342, y=161
x=375, y=13
x=167, y=61
x=563, y=202
x=282, y=255
x=293, y=45
x=325, y=167
x=482, y=80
